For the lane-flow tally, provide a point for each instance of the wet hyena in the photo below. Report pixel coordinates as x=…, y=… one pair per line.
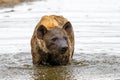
x=52, y=41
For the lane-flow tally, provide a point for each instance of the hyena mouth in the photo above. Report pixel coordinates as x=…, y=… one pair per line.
x=57, y=60
x=64, y=50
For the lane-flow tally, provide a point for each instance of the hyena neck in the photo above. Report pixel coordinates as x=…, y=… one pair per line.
x=47, y=58
x=43, y=56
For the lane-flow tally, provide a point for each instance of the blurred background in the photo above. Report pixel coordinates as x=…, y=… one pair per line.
x=96, y=25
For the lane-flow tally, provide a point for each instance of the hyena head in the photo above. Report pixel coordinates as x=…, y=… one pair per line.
x=56, y=39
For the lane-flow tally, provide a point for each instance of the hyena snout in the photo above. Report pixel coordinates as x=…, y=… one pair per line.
x=62, y=44
x=64, y=49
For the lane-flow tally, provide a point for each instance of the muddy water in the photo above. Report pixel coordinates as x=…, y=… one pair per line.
x=97, y=38
x=100, y=67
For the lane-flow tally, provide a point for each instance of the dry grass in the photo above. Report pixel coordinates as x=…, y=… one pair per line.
x=8, y=3
x=11, y=1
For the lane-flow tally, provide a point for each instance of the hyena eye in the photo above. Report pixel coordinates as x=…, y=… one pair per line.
x=54, y=39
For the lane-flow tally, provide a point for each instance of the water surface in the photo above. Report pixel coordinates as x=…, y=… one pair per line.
x=97, y=40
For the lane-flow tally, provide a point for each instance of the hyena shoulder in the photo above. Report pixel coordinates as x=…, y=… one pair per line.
x=52, y=21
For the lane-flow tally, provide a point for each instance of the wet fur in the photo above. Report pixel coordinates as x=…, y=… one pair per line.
x=40, y=53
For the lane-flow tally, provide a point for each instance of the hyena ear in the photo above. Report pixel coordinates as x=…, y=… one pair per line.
x=68, y=28
x=41, y=31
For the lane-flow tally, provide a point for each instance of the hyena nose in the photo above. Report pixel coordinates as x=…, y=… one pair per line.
x=64, y=49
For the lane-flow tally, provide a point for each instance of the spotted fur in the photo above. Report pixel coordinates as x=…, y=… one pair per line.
x=39, y=50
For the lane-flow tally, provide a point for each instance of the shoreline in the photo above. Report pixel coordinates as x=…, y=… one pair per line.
x=12, y=3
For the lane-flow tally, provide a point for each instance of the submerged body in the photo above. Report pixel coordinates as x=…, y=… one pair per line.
x=52, y=41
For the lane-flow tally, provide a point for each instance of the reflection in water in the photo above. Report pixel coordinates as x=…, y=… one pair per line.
x=19, y=67
x=53, y=73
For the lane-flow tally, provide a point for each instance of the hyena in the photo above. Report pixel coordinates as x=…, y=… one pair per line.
x=52, y=41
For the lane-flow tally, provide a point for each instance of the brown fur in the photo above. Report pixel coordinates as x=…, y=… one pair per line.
x=40, y=53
